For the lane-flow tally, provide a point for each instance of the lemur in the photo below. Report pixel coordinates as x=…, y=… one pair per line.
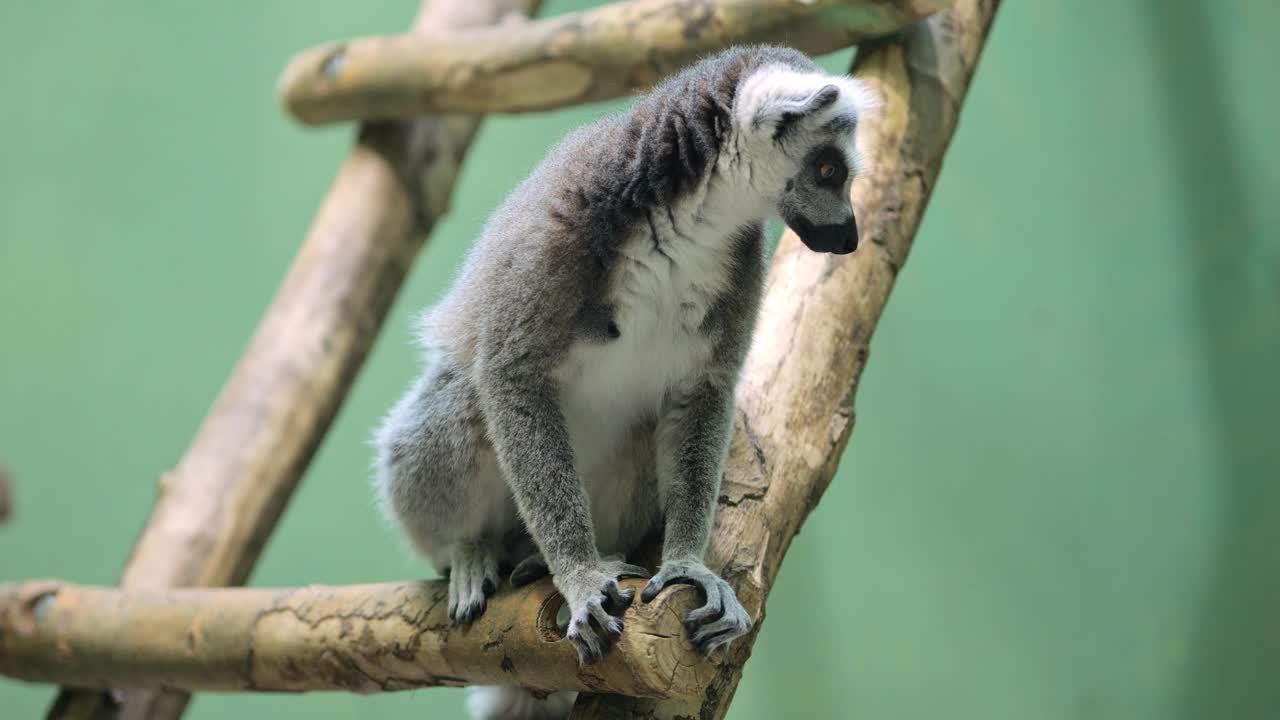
x=578, y=387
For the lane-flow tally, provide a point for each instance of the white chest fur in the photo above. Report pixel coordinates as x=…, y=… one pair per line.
x=667, y=279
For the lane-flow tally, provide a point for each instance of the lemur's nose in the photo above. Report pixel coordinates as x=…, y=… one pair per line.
x=851, y=236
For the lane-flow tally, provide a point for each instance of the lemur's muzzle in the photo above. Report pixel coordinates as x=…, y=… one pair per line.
x=840, y=239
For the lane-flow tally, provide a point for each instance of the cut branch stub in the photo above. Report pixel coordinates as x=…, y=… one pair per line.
x=360, y=638
x=608, y=52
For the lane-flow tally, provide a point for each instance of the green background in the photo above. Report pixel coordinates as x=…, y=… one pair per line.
x=1062, y=499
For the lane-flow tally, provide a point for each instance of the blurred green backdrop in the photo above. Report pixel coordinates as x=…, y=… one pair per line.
x=1062, y=499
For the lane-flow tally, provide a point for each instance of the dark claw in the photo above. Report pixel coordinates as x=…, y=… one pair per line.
x=591, y=645
x=489, y=587
x=616, y=600
x=651, y=590
x=470, y=611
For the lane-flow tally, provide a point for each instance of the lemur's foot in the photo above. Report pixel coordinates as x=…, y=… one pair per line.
x=529, y=569
x=473, y=577
x=720, y=620
x=596, y=604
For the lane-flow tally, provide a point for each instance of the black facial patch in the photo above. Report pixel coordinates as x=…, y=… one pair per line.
x=825, y=157
x=612, y=331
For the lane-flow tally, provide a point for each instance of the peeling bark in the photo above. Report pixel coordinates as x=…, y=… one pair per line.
x=796, y=397
x=217, y=507
x=360, y=638
x=604, y=53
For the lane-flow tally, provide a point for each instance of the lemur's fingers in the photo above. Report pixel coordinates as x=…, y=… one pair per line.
x=667, y=575
x=719, y=633
x=473, y=577
x=718, y=622
x=714, y=606
x=611, y=625
x=616, y=599
x=489, y=585
x=592, y=631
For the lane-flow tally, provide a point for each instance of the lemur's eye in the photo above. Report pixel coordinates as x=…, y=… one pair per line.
x=828, y=168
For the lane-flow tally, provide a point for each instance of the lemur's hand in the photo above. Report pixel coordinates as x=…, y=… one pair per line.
x=596, y=604
x=717, y=622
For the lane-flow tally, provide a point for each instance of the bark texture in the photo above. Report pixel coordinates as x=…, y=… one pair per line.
x=795, y=403
x=362, y=638
x=216, y=509
x=607, y=52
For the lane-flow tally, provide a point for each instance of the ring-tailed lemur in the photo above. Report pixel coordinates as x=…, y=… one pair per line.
x=578, y=392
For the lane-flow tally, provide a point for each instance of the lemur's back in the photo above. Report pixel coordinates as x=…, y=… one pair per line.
x=593, y=191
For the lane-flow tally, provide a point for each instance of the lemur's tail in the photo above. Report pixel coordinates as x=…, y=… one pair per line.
x=499, y=702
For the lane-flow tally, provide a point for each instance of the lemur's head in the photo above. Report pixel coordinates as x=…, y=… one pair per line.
x=799, y=129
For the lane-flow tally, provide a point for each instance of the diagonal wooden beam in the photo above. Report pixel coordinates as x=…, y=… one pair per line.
x=796, y=399
x=216, y=509
x=598, y=54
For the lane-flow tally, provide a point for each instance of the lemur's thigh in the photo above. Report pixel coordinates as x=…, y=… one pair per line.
x=437, y=474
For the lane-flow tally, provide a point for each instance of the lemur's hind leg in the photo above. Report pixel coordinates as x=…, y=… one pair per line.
x=473, y=577
x=439, y=480
x=532, y=568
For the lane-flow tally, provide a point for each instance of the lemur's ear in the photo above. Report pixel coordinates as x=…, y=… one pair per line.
x=786, y=113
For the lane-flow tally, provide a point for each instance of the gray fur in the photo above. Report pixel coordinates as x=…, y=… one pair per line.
x=578, y=395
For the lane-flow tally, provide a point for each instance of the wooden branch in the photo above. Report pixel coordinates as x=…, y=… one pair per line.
x=567, y=60
x=216, y=509
x=6, y=494
x=796, y=399
x=363, y=638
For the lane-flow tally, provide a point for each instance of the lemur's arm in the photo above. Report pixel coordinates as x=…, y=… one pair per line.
x=526, y=426
x=693, y=444
x=693, y=440
x=527, y=429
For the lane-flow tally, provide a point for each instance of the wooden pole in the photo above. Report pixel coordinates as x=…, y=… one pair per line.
x=604, y=53
x=795, y=403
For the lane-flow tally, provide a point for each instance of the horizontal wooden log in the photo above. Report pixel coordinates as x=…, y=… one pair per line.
x=360, y=638
x=604, y=53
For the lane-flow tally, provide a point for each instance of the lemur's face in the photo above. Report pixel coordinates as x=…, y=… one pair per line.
x=803, y=131
x=815, y=201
